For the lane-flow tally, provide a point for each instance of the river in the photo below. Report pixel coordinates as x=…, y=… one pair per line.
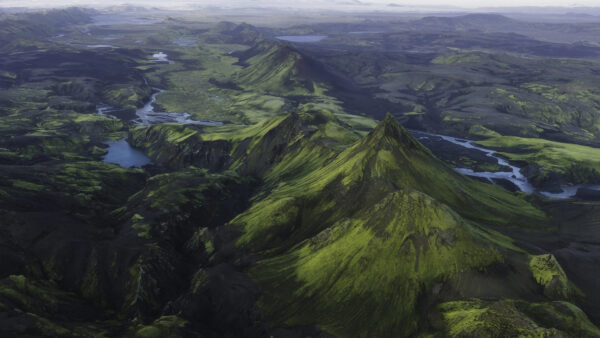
x=514, y=175
x=121, y=152
x=147, y=115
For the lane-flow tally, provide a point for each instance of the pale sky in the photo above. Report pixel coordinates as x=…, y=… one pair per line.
x=305, y=3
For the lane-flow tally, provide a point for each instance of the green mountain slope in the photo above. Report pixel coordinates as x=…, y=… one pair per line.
x=354, y=246
x=365, y=273
x=281, y=69
x=385, y=161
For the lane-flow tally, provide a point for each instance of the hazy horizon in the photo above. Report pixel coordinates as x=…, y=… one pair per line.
x=336, y=4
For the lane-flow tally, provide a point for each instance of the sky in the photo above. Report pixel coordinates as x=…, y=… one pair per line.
x=307, y=3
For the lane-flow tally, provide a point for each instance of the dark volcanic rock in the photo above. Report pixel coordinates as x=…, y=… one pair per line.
x=588, y=194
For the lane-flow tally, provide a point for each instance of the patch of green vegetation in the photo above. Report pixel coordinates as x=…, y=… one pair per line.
x=481, y=131
x=142, y=228
x=388, y=254
x=27, y=185
x=129, y=96
x=511, y=318
x=457, y=58
x=282, y=70
x=550, y=275
x=162, y=327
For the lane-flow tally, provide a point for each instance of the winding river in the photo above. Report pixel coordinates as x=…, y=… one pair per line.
x=147, y=115
x=121, y=152
x=514, y=175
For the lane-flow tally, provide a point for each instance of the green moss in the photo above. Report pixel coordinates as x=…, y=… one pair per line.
x=282, y=70
x=27, y=185
x=162, y=327
x=361, y=235
x=457, y=58
x=549, y=274
x=126, y=96
x=481, y=131
x=512, y=318
x=142, y=227
x=385, y=254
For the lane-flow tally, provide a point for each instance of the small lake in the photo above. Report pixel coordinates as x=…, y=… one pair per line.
x=121, y=153
x=302, y=38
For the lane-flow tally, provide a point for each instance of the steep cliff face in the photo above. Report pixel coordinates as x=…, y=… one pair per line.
x=178, y=146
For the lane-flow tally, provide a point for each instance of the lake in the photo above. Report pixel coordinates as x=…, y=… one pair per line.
x=121, y=153
x=302, y=38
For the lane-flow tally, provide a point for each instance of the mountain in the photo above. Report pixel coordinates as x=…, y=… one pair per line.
x=484, y=22
x=367, y=242
x=40, y=24
x=295, y=225
x=281, y=69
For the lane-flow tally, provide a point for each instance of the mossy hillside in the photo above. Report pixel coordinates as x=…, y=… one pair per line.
x=85, y=188
x=32, y=26
x=387, y=159
x=43, y=307
x=252, y=150
x=506, y=318
x=52, y=134
x=159, y=234
x=189, y=196
x=358, y=229
x=300, y=143
x=364, y=274
x=282, y=70
x=163, y=327
x=177, y=146
x=550, y=275
x=126, y=96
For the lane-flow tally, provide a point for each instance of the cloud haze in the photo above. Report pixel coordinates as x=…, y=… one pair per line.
x=303, y=4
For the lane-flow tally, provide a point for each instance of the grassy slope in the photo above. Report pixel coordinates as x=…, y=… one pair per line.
x=390, y=155
x=366, y=225
x=363, y=274
x=509, y=318
x=283, y=70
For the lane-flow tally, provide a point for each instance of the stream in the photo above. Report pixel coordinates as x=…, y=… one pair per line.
x=147, y=115
x=514, y=175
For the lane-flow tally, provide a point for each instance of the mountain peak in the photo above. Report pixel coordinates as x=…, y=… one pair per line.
x=390, y=132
